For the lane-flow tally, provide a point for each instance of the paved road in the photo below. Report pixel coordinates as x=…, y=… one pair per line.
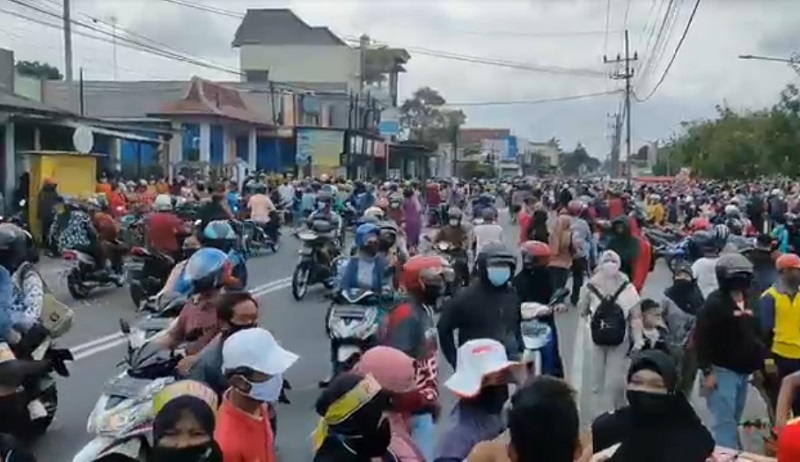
x=300, y=328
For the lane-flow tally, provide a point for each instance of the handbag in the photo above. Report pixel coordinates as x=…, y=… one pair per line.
x=56, y=317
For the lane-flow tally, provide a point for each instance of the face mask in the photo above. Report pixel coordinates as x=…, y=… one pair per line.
x=202, y=453
x=260, y=391
x=370, y=248
x=234, y=328
x=647, y=404
x=498, y=275
x=373, y=445
x=792, y=281
x=453, y=222
x=430, y=294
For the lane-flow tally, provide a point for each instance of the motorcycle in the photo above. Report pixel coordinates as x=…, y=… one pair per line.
x=256, y=239
x=458, y=261
x=132, y=229
x=122, y=418
x=310, y=268
x=353, y=321
x=17, y=218
x=41, y=391
x=146, y=273
x=536, y=335
x=85, y=276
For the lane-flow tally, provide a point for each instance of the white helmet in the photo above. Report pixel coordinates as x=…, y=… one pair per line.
x=732, y=210
x=163, y=203
x=374, y=213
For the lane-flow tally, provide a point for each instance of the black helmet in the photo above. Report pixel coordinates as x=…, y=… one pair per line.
x=325, y=197
x=703, y=242
x=495, y=253
x=13, y=246
x=734, y=271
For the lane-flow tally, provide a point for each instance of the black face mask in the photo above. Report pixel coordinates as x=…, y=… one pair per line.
x=649, y=405
x=430, y=294
x=372, y=445
x=371, y=248
x=234, y=328
x=202, y=453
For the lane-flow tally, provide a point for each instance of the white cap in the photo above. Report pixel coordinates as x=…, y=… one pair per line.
x=256, y=349
x=477, y=359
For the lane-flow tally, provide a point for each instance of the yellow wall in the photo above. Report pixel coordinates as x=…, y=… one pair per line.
x=75, y=174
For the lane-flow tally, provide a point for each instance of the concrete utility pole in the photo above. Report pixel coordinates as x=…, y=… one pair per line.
x=67, y=41
x=627, y=76
x=363, y=44
x=615, y=128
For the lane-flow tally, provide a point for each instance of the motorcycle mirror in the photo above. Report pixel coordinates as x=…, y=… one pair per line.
x=124, y=326
x=22, y=203
x=197, y=222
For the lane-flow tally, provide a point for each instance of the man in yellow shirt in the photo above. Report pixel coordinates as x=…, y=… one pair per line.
x=655, y=210
x=780, y=319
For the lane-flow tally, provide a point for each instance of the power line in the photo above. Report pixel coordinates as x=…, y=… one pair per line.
x=661, y=39
x=535, y=101
x=426, y=51
x=674, y=55
x=605, y=37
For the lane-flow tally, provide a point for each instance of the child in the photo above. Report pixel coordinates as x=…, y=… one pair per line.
x=654, y=327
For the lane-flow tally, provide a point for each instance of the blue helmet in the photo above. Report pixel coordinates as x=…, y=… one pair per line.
x=206, y=269
x=364, y=231
x=219, y=229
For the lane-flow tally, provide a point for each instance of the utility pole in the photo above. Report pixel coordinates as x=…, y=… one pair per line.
x=68, y=52
x=614, y=126
x=627, y=76
x=363, y=44
x=114, y=43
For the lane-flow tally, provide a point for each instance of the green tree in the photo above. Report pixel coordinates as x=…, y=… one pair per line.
x=427, y=120
x=577, y=161
x=38, y=70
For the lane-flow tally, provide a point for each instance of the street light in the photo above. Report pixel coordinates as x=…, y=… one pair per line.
x=793, y=60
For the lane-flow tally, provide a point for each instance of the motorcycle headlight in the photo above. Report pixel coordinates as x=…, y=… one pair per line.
x=127, y=414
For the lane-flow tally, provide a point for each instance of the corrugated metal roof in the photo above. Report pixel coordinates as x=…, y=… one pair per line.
x=280, y=26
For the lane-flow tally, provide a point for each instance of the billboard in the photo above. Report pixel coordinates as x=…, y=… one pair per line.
x=501, y=149
x=320, y=148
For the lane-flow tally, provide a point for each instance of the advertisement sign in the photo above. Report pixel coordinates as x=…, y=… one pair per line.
x=390, y=122
x=319, y=147
x=512, y=151
x=494, y=149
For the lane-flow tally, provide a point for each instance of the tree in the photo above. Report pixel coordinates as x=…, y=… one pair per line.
x=578, y=161
x=426, y=119
x=742, y=144
x=38, y=70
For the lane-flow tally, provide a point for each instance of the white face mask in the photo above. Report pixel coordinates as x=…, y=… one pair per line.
x=453, y=222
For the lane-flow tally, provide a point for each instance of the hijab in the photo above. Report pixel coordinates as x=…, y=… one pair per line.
x=166, y=419
x=654, y=427
x=685, y=293
x=607, y=276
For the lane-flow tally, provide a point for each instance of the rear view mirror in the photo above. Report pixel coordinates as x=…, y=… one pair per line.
x=124, y=326
x=22, y=203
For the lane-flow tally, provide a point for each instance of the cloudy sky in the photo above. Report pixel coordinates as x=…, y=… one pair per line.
x=542, y=34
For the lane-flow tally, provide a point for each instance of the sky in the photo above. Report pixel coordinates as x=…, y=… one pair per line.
x=544, y=35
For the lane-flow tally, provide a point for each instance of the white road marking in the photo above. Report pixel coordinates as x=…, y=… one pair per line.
x=108, y=342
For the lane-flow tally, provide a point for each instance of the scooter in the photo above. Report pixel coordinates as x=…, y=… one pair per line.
x=536, y=335
x=84, y=276
x=122, y=418
x=353, y=320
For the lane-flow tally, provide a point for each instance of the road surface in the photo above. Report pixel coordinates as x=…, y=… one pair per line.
x=298, y=326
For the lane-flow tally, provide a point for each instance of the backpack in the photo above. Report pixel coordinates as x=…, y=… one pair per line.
x=608, y=323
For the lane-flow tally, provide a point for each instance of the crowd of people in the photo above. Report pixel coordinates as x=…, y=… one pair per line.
x=728, y=319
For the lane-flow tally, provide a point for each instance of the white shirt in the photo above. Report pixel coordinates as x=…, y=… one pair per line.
x=704, y=271
x=487, y=233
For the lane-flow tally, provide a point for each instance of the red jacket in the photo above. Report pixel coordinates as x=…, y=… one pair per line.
x=641, y=268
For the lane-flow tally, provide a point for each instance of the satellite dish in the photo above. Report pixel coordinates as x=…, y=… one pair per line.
x=83, y=139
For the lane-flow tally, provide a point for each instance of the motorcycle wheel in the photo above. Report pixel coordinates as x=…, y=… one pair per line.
x=75, y=285
x=300, y=281
x=50, y=399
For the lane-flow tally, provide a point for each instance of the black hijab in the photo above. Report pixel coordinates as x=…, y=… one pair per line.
x=659, y=428
x=685, y=293
x=170, y=415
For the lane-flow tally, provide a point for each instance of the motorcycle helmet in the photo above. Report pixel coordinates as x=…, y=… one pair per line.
x=13, y=246
x=575, y=207
x=535, y=253
x=364, y=233
x=454, y=216
x=721, y=233
x=163, y=203
x=700, y=224
x=207, y=269
x=219, y=230
x=731, y=210
x=373, y=213
x=382, y=203
x=495, y=254
x=387, y=234
x=489, y=214
x=734, y=272
x=324, y=200
x=426, y=274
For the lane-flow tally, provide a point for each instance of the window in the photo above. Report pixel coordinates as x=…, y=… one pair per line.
x=256, y=76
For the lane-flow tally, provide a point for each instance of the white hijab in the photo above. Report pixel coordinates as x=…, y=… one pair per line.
x=607, y=278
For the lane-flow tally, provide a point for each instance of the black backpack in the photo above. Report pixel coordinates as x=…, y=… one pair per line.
x=608, y=323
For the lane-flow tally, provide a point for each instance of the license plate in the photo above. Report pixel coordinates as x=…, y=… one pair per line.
x=345, y=352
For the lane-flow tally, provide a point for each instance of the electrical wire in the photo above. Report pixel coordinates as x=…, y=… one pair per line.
x=535, y=101
x=608, y=16
x=651, y=52
x=674, y=55
x=427, y=51
x=659, y=53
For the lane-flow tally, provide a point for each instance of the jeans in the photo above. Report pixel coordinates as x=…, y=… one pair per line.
x=423, y=432
x=726, y=404
x=787, y=366
x=579, y=268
